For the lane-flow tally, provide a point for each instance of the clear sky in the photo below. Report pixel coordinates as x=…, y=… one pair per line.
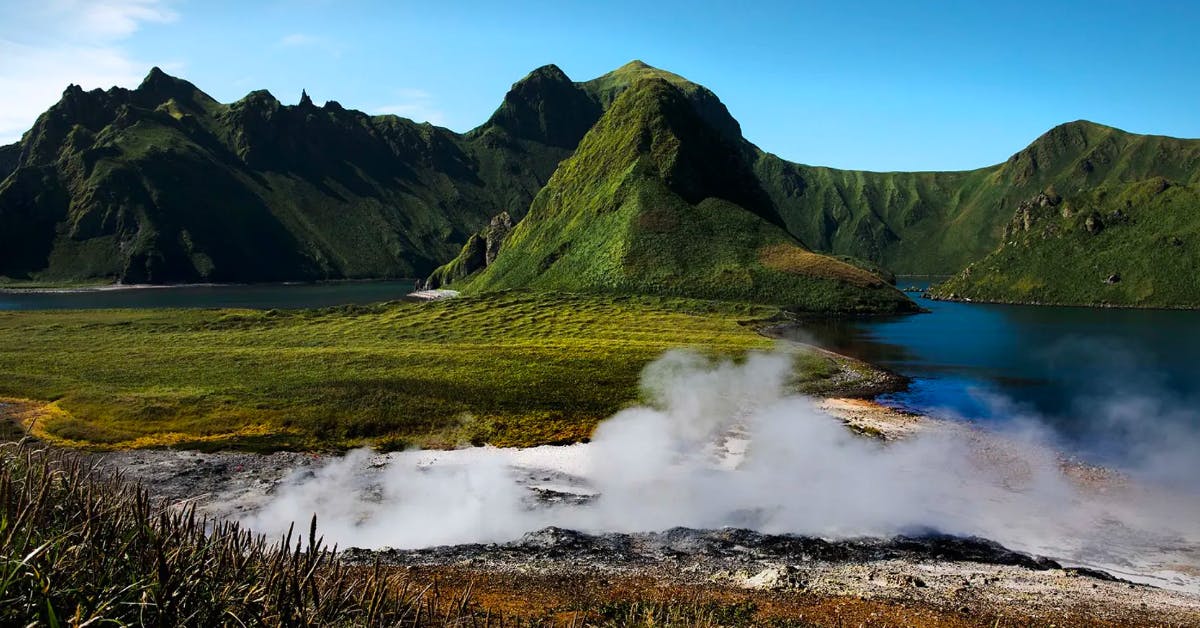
x=882, y=85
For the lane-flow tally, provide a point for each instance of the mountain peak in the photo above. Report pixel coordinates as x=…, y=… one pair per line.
x=158, y=87
x=546, y=106
x=695, y=157
x=636, y=64
x=608, y=87
x=155, y=74
x=612, y=83
x=548, y=71
x=259, y=96
x=1067, y=139
x=305, y=101
x=658, y=200
x=157, y=80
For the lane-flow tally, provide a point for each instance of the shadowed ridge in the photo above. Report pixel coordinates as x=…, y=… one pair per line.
x=161, y=184
x=546, y=107
x=9, y=156
x=158, y=87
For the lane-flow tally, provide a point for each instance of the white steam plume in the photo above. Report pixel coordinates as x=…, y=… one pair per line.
x=679, y=462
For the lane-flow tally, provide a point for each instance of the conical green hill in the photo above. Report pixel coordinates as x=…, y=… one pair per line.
x=656, y=200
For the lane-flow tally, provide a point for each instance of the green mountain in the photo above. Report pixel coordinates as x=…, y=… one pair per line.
x=658, y=199
x=937, y=222
x=1135, y=244
x=164, y=184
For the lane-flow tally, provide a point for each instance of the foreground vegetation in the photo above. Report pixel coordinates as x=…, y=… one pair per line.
x=79, y=547
x=505, y=368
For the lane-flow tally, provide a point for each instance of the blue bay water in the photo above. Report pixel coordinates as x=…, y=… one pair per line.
x=1107, y=380
x=253, y=296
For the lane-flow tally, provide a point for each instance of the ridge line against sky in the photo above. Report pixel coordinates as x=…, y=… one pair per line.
x=863, y=85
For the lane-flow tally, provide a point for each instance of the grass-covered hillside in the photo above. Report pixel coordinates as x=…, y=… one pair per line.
x=163, y=184
x=938, y=222
x=656, y=200
x=502, y=368
x=1136, y=244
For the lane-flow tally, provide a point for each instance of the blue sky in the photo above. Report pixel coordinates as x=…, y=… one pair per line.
x=872, y=85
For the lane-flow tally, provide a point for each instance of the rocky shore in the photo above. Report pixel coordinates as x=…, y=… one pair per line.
x=921, y=580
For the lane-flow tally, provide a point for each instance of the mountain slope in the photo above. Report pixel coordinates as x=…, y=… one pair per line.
x=164, y=184
x=927, y=222
x=1134, y=244
x=658, y=200
x=937, y=222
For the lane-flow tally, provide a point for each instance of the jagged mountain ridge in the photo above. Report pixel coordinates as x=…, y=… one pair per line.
x=163, y=184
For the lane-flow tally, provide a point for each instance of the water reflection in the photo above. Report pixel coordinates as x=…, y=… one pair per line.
x=988, y=361
x=260, y=296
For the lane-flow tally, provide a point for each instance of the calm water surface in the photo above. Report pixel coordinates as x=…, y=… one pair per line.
x=1071, y=367
x=261, y=296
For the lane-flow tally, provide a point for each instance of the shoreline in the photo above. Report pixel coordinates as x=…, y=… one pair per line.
x=856, y=378
x=119, y=287
x=1091, y=306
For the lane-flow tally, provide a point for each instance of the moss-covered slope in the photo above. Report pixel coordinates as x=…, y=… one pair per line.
x=937, y=222
x=658, y=200
x=1132, y=244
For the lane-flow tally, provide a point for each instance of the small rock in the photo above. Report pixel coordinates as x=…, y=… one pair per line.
x=1113, y=278
x=1094, y=224
x=772, y=579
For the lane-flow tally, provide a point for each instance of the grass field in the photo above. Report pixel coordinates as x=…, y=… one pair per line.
x=506, y=368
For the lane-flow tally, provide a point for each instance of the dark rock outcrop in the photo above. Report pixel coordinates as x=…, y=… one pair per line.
x=729, y=547
x=9, y=155
x=477, y=254
x=495, y=234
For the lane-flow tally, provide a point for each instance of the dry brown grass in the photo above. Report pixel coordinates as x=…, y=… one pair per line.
x=595, y=598
x=797, y=261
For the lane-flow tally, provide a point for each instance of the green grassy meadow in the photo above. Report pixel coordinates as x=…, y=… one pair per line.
x=504, y=368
